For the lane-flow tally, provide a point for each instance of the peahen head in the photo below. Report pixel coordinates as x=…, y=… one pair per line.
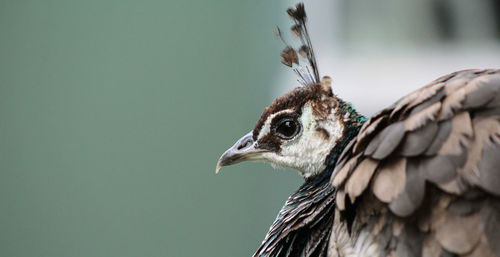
x=298, y=130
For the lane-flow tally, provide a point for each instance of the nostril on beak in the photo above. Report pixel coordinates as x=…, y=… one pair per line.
x=245, y=144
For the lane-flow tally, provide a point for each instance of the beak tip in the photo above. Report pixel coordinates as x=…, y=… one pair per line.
x=242, y=150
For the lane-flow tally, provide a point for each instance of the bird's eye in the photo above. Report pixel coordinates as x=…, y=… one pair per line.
x=286, y=128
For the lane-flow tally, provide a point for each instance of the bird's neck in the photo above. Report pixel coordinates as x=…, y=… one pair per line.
x=352, y=124
x=311, y=208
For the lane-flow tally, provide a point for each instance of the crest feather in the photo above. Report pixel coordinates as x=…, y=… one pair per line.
x=309, y=72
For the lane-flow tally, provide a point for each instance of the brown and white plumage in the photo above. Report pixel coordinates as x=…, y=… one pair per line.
x=420, y=178
x=423, y=176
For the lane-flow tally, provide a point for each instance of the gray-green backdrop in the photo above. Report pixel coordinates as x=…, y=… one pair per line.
x=113, y=115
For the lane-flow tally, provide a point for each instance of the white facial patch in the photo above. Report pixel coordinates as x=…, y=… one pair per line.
x=308, y=151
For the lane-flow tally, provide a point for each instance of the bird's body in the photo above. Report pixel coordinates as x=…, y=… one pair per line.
x=427, y=169
x=420, y=178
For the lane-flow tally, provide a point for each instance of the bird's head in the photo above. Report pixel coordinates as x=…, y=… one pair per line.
x=298, y=130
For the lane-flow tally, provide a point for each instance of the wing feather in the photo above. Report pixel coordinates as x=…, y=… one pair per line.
x=386, y=141
x=416, y=142
x=360, y=178
x=390, y=180
x=428, y=169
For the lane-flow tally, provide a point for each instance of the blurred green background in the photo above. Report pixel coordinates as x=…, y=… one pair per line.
x=113, y=115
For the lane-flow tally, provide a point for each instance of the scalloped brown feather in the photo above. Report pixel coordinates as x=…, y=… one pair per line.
x=439, y=170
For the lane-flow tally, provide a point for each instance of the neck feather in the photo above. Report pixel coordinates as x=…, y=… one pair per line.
x=303, y=225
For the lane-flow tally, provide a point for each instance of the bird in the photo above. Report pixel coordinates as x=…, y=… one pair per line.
x=419, y=178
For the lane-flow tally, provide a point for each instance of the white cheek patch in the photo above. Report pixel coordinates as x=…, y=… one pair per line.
x=307, y=152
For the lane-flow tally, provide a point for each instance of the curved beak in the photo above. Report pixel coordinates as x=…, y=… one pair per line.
x=243, y=150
